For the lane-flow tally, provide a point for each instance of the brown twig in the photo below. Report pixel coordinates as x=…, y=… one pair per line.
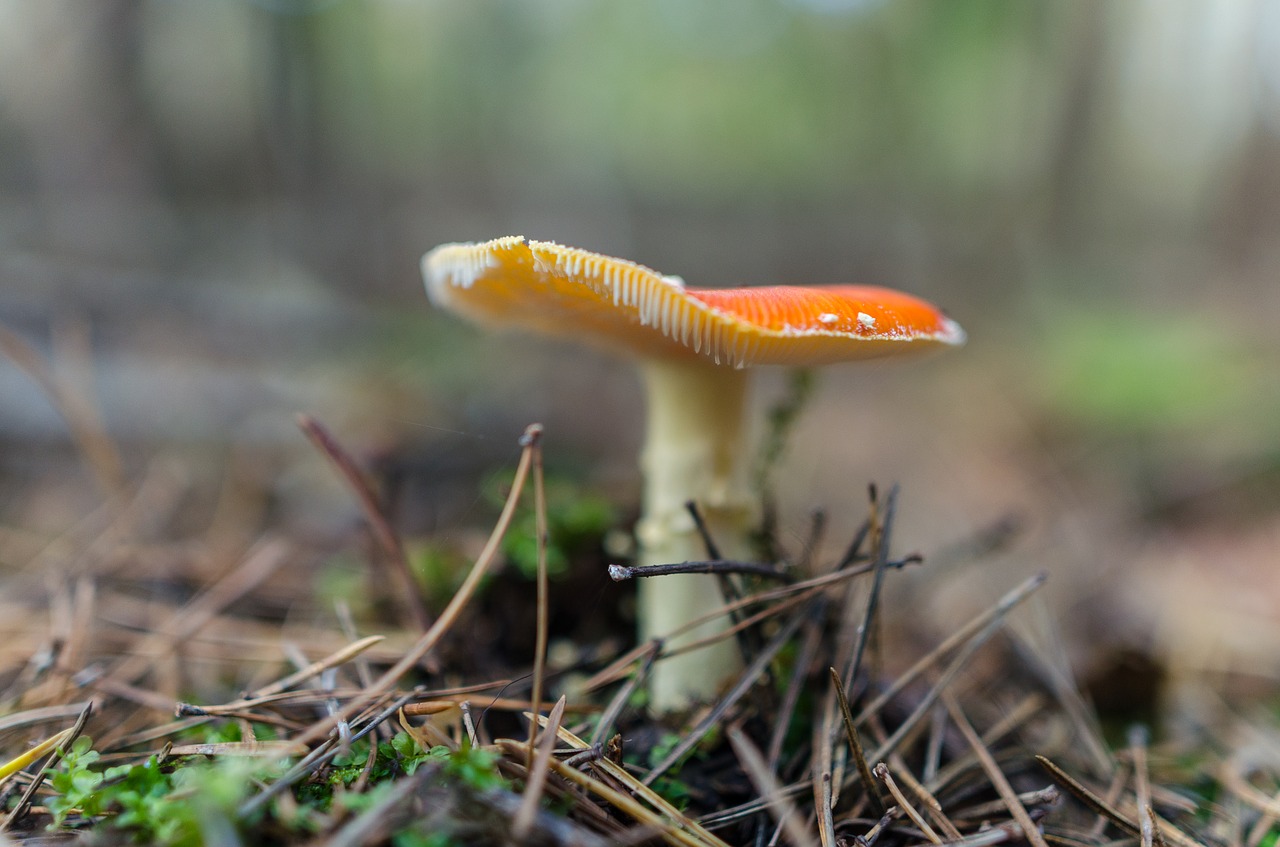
x=538, y=768
x=56, y=756
x=766, y=783
x=623, y=696
x=1149, y=832
x=634, y=788
x=855, y=745
x=1030, y=831
x=718, y=567
x=741, y=687
x=791, y=696
x=543, y=604
x=931, y=805
x=960, y=636
x=881, y=533
x=1084, y=795
x=447, y=618
x=388, y=539
x=882, y=772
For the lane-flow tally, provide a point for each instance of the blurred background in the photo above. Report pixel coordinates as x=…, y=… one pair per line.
x=211, y=216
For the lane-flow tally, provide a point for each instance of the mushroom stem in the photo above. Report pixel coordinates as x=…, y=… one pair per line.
x=696, y=449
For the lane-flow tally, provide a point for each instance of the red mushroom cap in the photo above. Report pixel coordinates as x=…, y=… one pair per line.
x=567, y=292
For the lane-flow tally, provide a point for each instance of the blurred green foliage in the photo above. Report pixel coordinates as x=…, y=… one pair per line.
x=1132, y=372
x=692, y=95
x=438, y=568
x=182, y=804
x=194, y=800
x=577, y=520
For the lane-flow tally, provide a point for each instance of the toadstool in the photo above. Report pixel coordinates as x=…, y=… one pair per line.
x=693, y=347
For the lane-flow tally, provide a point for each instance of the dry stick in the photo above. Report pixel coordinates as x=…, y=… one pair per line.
x=933, y=750
x=1069, y=698
x=333, y=660
x=537, y=779
x=876, y=831
x=1146, y=820
x=795, y=593
x=768, y=612
x=882, y=772
x=1167, y=831
x=791, y=697
x=997, y=777
x=624, y=803
x=66, y=739
x=995, y=835
x=451, y=612
x=329, y=679
x=620, y=665
x=638, y=789
x=71, y=343
x=301, y=697
x=740, y=688
x=157, y=732
x=543, y=604
x=1043, y=797
x=1236, y=783
x=343, y=611
x=700, y=525
x=715, y=820
x=364, y=675
x=812, y=544
x=1264, y=822
x=1095, y=803
x=849, y=632
x=553, y=829
x=1233, y=811
x=1029, y=707
x=469, y=724
x=820, y=769
x=495, y=704
x=881, y=535
x=854, y=551
x=621, y=573
x=387, y=537
x=762, y=778
x=747, y=640
x=992, y=619
x=623, y=696
x=25, y=758
x=826, y=820
x=999, y=610
x=144, y=697
x=931, y=805
x=79, y=412
x=855, y=745
x=945, y=679
x=44, y=714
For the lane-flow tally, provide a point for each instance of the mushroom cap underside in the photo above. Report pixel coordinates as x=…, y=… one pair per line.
x=576, y=294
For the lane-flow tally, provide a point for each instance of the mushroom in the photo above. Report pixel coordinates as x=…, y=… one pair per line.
x=693, y=347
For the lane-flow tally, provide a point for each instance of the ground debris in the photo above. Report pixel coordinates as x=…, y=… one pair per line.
x=240, y=701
